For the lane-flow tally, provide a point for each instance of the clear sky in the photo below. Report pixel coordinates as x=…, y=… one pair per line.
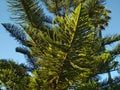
x=8, y=44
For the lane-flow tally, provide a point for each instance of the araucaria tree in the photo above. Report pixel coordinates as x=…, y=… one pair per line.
x=66, y=52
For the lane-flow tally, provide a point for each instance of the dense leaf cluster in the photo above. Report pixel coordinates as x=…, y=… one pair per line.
x=66, y=53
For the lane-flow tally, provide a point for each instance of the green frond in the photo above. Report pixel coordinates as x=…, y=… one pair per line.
x=19, y=34
x=53, y=6
x=70, y=46
x=115, y=51
x=11, y=73
x=61, y=7
x=67, y=27
x=97, y=11
x=68, y=32
x=15, y=32
x=27, y=12
x=111, y=39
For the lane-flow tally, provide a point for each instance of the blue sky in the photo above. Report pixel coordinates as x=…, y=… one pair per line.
x=8, y=44
x=115, y=16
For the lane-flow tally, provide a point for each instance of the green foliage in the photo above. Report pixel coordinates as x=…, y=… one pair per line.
x=28, y=12
x=61, y=7
x=66, y=55
x=91, y=85
x=13, y=75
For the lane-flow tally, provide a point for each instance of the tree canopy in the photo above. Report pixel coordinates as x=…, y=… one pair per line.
x=64, y=53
